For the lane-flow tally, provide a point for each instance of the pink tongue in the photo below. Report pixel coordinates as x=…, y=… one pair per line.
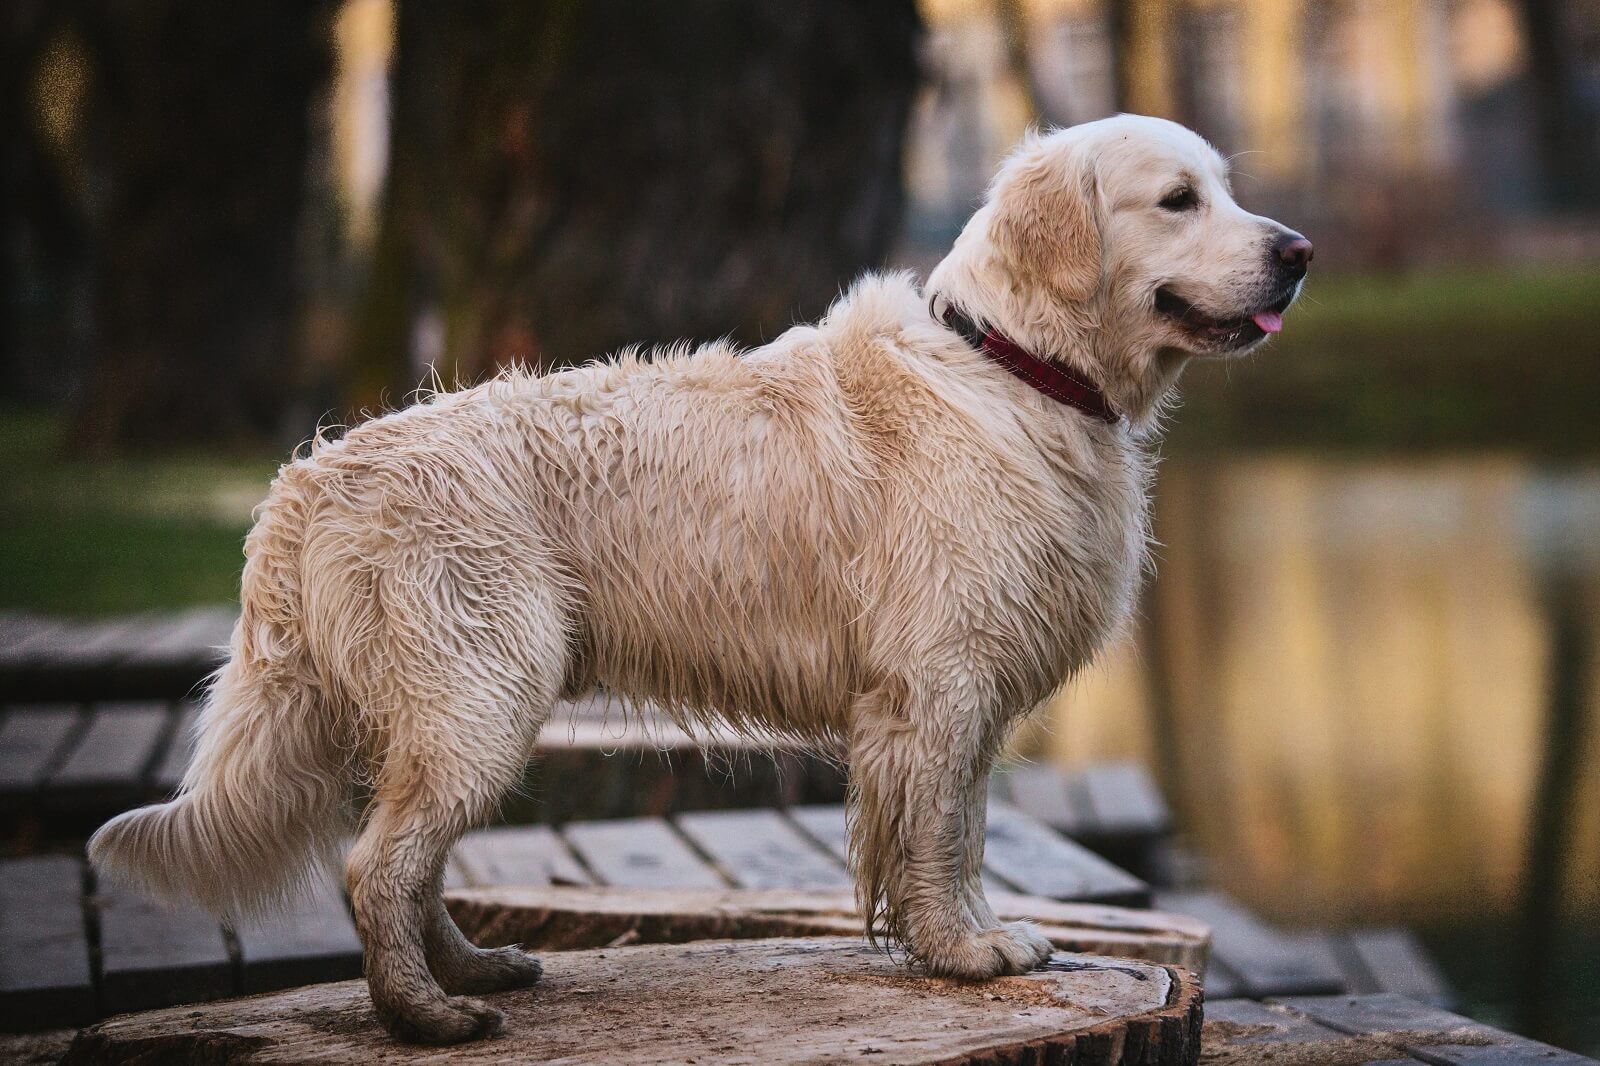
x=1269, y=321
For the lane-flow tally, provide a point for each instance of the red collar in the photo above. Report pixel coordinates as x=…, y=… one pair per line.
x=1050, y=378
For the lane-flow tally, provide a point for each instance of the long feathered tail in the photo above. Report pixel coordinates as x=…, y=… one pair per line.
x=262, y=800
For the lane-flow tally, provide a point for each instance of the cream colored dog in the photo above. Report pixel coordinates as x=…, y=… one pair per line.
x=889, y=533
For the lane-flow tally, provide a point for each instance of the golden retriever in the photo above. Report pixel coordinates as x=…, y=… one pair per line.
x=891, y=533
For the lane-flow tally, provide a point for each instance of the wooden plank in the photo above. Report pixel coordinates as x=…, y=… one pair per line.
x=143, y=655
x=1221, y=982
x=761, y=849
x=32, y=742
x=639, y=853
x=316, y=941
x=825, y=824
x=1042, y=792
x=1267, y=961
x=518, y=855
x=153, y=954
x=35, y=641
x=1432, y=1035
x=197, y=637
x=1244, y=1031
x=1041, y=862
x=14, y=625
x=1125, y=801
x=715, y=1004
x=45, y=981
x=1269, y=1024
x=89, y=652
x=117, y=746
x=1390, y=959
x=170, y=767
x=563, y=918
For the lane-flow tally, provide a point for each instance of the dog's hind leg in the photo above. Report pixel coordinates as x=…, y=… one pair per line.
x=459, y=966
x=426, y=798
x=444, y=768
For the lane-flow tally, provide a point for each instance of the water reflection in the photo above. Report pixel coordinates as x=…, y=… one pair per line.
x=1343, y=676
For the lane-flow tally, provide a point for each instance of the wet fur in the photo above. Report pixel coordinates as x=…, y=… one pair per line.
x=863, y=535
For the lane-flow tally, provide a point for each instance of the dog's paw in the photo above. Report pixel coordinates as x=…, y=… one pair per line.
x=445, y=1021
x=492, y=970
x=1027, y=933
x=1006, y=950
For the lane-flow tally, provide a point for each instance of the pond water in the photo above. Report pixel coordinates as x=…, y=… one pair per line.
x=1349, y=677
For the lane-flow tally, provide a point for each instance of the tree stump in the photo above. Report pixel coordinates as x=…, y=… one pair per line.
x=750, y=1001
x=550, y=917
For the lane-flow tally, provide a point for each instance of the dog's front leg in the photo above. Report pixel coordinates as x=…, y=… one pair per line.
x=918, y=796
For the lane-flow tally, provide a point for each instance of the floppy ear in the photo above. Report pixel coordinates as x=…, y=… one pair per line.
x=1046, y=222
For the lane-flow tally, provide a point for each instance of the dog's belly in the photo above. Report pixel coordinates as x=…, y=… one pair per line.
x=757, y=636
x=770, y=681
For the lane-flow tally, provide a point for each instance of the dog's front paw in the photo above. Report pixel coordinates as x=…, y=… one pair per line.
x=1008, y=949
x=1028, y=933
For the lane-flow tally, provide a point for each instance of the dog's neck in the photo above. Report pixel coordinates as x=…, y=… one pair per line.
x=1050, y=376
x=1075, y=333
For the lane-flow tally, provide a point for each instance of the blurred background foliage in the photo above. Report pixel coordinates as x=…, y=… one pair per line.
x=1367, y=673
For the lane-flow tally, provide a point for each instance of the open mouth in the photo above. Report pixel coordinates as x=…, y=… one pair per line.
x=1223, y=334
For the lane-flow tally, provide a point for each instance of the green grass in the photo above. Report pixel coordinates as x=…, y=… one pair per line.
x=91, y=538
x=1499, y=300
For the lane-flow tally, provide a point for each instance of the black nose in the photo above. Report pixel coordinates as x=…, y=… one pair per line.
x=1294, y=252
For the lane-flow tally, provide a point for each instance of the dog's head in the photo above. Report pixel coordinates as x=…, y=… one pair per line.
x=1119, y=243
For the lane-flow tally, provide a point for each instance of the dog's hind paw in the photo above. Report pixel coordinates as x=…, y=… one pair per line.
x=491, y=970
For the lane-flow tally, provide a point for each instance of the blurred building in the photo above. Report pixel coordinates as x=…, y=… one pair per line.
x=1409, y=125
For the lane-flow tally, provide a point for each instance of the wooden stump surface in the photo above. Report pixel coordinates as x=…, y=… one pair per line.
x=565, y=918
x=715, y=1002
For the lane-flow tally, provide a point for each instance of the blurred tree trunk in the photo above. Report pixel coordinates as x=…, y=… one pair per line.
x=1564, y=119
x=1017, y=33
x=200, y=126
x=41, y=227
x=1141, y=47
x=569, y=178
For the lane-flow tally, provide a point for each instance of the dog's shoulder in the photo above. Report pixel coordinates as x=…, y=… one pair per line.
x=911, y=380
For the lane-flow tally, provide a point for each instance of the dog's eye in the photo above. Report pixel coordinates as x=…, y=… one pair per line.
x=1183, y=198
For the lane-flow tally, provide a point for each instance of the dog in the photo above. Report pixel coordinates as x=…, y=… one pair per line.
x=891, y=534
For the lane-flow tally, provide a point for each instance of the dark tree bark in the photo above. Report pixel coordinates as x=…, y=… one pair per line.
x=1140, y=60
x=1119, y=26
x=571, y=178
x=1565, y=120
x=200, y=126
x=42, y=251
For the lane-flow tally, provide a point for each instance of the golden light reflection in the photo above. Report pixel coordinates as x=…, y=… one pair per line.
x=1355, y=665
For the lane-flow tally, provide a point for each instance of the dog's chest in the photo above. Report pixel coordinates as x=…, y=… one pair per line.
x=1078, y=567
